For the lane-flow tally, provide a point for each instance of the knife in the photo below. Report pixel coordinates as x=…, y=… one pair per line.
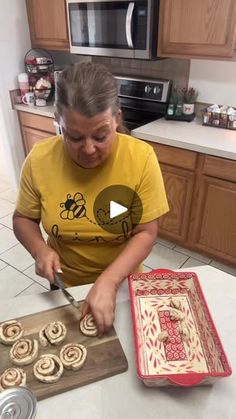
x=68, y=296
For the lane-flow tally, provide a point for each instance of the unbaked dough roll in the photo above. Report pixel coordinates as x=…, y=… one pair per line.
x=53, y=333
x=73, y=356
x=48, y=368
x=12, y=377
x=88, y=326
x=24, y=351
x=10, y=332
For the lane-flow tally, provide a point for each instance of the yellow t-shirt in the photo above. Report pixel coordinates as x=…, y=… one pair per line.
x=62, y=194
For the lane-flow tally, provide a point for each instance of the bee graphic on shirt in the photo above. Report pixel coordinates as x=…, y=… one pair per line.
x=73, y=207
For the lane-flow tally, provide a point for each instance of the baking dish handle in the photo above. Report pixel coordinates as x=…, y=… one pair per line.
x=186, y=380
x=161, y=271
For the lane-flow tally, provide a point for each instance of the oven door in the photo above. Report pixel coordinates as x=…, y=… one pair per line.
x=116, y=28
x=136, y=112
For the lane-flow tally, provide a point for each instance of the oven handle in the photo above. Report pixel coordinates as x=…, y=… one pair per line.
x=128, y=24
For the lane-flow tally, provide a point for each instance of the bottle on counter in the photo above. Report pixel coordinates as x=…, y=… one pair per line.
x=23, y=81
x=170, y=110
x=179, y=109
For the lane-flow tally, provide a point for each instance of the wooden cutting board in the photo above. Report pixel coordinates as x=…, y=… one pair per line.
x=105, y=355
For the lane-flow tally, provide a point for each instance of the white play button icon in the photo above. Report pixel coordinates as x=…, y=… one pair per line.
x=116, y=209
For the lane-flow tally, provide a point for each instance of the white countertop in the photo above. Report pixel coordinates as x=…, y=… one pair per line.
x=187, y=135
x=48, y=110
x=124, y=395
x=191, y=136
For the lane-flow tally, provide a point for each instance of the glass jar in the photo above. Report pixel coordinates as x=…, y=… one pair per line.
x=179, y=109
x=170, y=110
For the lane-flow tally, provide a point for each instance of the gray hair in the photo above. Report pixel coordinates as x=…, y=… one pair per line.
x=87, y=88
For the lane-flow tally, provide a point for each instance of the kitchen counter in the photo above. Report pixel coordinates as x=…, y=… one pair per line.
x=124, y=395
x=190, y=136
x=48, y=110
x=187, y=135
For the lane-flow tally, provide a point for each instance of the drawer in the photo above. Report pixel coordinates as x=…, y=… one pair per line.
x=174, y=156
x=219, y=168
x=39, y=122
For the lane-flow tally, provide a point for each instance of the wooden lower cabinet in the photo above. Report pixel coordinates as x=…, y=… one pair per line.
x=179, y=189
x=178, y=170
x=32, y=136
x=201, y=191
x=213, y=219
x=35, y=128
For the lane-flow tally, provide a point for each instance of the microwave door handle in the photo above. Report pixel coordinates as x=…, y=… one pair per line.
x=128, y=24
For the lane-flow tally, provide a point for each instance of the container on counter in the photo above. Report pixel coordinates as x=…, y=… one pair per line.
x=28, y=99
x=176, y=340
x=223, y=117
x=39, y=66
x=23, y=81
x=17, y=403
x=179, y=109
x=170, y=110
x=219, y=116
x=231, y=115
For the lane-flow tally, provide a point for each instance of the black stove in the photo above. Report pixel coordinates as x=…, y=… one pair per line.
x=142, y=100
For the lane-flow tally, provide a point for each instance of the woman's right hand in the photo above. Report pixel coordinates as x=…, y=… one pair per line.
x=47, y=262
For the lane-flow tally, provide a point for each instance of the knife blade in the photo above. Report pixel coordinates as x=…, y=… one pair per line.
x=68, y=296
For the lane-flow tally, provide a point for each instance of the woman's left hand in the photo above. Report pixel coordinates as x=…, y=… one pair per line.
x=101, y=302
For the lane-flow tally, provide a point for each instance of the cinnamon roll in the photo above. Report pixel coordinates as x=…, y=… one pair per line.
x=24, y=351
x=12, y=377
x=48, y=368
x=88, y=326
x=73, y=356
x=10, y=332
x=53, y=333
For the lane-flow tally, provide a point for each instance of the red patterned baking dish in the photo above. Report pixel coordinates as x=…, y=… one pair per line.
x=189, y=352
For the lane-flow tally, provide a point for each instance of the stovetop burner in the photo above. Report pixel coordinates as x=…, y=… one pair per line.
x=142, y=100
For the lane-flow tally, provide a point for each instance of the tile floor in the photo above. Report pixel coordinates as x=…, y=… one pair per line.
x=17, y=274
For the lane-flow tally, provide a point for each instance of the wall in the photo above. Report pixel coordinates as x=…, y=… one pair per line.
x=63, y=58
x=14, y=43
x=215, y=81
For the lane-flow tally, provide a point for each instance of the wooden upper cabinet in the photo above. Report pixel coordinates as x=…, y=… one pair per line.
x=197, y=28
x=48, y=24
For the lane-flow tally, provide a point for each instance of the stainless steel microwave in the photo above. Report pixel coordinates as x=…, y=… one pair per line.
x=113, y=28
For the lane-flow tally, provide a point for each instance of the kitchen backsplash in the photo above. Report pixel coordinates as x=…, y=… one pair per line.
x=174, y=69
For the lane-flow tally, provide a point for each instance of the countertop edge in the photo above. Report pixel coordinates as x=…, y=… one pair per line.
x=47, y=111
x=184, y=145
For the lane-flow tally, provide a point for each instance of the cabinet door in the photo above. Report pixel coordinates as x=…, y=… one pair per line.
x=48, y=24
x=179, y=189
x=32, y=136
x=202, y=28
x=213, y=220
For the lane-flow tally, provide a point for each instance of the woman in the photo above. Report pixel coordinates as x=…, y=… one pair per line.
x=70, y=183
